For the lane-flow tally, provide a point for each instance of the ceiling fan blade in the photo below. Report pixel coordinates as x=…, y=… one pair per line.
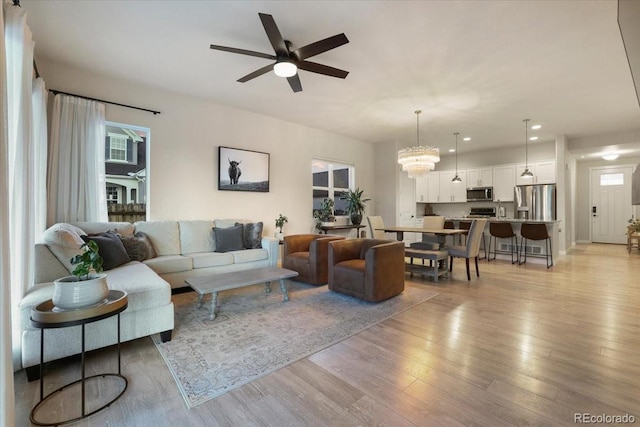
x=256, y=73
x=321, y=46
x=274, y=35
x=294, y=82
x=242, y=51
x=322, y=69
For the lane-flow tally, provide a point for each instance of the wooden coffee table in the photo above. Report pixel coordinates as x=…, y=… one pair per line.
x=238, y=279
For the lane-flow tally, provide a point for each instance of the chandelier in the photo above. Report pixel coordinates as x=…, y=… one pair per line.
x=419, y=160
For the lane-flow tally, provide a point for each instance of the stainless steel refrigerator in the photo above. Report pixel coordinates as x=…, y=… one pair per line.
x=535, y=202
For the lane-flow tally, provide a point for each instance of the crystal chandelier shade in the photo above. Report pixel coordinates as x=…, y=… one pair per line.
x=419, y=160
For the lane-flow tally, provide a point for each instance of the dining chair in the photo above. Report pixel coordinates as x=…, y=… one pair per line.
x=374, y=223
x=429, y=241
x=472, y=247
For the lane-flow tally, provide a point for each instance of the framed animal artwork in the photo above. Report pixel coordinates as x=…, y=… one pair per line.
x=242, y=170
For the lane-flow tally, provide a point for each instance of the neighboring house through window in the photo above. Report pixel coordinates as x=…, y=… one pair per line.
x=126, y=148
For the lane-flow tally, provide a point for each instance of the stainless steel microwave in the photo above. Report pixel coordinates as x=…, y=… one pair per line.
x=479, y=194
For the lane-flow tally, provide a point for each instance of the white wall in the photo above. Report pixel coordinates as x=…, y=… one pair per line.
x=184, y=140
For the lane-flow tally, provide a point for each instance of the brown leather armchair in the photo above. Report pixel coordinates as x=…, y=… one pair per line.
x=369, y=269
x=308, y=255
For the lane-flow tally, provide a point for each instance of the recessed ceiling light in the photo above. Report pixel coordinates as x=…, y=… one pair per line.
x=533, y=138
x=466, y=139
x=536, y=127
x=452, y=150
x=610, y=156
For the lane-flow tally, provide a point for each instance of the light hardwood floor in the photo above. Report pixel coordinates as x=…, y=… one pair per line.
x=521, y=345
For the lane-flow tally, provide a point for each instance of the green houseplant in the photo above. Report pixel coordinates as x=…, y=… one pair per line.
x=355, y=205
x=87, y=286
x=280, y=222
x=325, y=213
x=633, y=227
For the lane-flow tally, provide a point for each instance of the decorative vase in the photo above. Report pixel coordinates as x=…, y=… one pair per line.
x=71, y=294
x=356, y=218
x=279, y=235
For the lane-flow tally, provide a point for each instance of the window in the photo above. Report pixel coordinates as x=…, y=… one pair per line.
x=331, y=180
x=117, y=148
x=126, y=171
x=612, y=179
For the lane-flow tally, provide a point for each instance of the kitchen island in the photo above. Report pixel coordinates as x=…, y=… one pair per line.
x=533, y=247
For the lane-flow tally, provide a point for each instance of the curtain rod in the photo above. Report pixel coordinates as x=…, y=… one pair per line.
x=56, y=92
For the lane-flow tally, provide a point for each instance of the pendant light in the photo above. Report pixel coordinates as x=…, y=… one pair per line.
x=418, y=161
x=527, y=173
x=456, y=179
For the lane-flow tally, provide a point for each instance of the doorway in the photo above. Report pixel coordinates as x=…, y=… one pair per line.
x=610, y=203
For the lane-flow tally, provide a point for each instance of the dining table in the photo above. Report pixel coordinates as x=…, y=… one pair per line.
x=440, y=233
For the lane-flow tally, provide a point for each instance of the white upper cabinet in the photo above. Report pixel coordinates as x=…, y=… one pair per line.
x=543, y=173
x=422, y=189
x=504, y=179
x=433, y=187
x=451, y=192
x=480, y=177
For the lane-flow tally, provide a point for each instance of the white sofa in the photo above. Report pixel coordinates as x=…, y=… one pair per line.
x=184, y=249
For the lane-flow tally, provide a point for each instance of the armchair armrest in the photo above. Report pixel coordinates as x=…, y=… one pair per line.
x=385, y=260
x=297, y=243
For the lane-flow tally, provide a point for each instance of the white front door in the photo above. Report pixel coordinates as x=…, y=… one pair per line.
x=610, y=203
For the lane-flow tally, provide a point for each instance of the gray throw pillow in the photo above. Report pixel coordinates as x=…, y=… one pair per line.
x=110, y=248
x=228, y=239
x=251, y=234
x=139, y=246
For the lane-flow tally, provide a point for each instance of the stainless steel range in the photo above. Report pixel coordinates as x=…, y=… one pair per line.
x=482, y=213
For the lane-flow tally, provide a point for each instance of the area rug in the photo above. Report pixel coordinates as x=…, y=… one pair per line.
x=256, y=333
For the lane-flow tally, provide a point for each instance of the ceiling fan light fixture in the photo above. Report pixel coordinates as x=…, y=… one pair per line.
x=285, y=69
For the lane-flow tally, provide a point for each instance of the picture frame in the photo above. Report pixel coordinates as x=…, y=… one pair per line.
x=243, y=170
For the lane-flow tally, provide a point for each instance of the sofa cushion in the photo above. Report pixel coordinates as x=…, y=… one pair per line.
x=138, y=246
x=228, y=239
x=169, y=263
x=64, y=241
x=196, y=237
x=122, y=228
x=165, y=235
x=249, y=255
x=251, y=234
x=110, y=248
x=211, y=259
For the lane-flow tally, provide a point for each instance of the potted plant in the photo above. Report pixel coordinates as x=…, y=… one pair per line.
x=87, y=286
x=633, y=227
x=280, y=222
x=324, y=215
x=355, y=205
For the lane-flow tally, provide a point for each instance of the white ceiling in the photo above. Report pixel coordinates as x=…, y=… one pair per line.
x=475, y=67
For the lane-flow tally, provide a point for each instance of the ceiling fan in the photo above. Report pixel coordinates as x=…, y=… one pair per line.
x=288, y=61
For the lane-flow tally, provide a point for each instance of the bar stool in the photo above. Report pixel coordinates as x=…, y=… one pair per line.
x=503, y=230
x=531, y=231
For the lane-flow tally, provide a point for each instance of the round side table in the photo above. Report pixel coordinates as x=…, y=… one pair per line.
x=47, y=316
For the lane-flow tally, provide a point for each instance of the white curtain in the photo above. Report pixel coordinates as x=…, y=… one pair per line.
x=76, y=176
x=22, y=186
x=7, y=411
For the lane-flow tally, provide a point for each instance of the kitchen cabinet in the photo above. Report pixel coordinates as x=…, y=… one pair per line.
x=504, y=179
x=480, y=177
x=422, y=189
x=433, y=187
x=543, y=173
x=451, y=192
